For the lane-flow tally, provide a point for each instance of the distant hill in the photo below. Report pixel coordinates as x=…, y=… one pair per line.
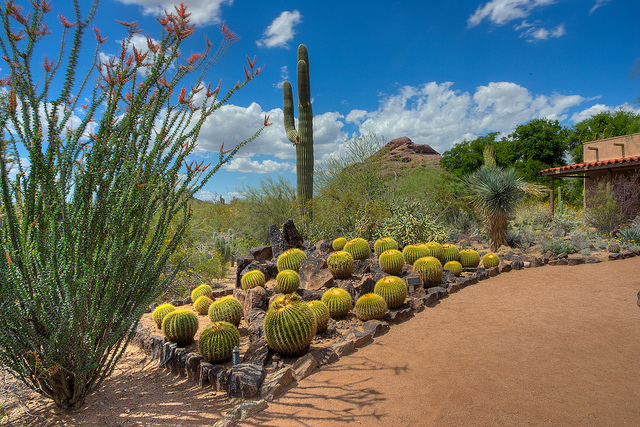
x=402, y=153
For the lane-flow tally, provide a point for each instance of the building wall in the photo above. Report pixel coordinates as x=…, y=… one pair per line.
x=612, y=148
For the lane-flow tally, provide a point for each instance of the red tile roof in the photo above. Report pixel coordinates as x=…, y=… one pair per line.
x=579, y=167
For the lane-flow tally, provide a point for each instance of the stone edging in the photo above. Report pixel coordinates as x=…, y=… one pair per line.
x=252, y=387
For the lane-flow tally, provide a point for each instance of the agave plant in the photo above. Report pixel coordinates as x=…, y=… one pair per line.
x=494, y=193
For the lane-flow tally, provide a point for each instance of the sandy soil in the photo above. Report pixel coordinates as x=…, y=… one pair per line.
x=550, y=345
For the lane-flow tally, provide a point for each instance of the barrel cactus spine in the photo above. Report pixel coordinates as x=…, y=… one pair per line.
x=289, y=326
x=340, y=264
x=384, y=244
x=430, y=270
x=303, y=137
x=490, y=260
x=217, y=341
x=290, y=259
x=412, y=253
x=226, y=309
x=287, y=281
x=613, y=247
x=160, y=312
x=435, y=250
x=469, y=258
x=392, y=289
x=203, y=289
x=370, y=306
x=391, y=261
x=252, y=279
x=338, y=243
x=180, y=326
x=450, y=252
x=455, y=267
x=202, y=304
x=321, y=311
x=338, y=301
x=358, y=248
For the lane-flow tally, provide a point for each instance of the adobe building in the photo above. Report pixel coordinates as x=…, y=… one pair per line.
x=605, y=160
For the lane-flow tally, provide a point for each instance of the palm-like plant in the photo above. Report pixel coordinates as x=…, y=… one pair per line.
x=494, y=193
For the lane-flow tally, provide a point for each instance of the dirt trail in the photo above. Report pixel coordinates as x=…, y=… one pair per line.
x=553, y=345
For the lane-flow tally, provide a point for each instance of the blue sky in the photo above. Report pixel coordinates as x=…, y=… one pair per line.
x=437, y=72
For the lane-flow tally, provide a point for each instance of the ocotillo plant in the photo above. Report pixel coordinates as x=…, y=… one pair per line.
x=303, y=137
x=88, y=227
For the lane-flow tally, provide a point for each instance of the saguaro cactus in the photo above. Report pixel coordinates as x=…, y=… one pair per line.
x=303, y=137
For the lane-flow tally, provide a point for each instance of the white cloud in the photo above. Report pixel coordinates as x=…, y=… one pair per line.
x=599, y=108
x=502, y=11
x=284, y=75
x=281, y=30
x=536, y=32
x=598, y=4
x=244, y=164
x=202, y=11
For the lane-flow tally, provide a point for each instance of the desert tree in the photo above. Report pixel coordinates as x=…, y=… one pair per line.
x=93, y=205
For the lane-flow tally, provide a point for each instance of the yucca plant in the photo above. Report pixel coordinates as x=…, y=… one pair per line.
x=494, y=193
x=88, y=227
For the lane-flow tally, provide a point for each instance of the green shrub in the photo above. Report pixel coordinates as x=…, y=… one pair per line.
x=408, y=223
x=556, y=246
x=603, y=212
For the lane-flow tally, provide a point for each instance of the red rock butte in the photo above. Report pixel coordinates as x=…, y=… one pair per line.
x=409, y=154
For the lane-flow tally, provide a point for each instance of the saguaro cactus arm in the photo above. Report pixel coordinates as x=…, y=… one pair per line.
x=289, y=122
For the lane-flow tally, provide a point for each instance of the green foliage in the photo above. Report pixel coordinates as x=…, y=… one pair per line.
x=384, y=244
x=287, y=281
x=392, y=289
x=469, y=258
x=321, y=312
x=358, y=248
x=338, y=301
x=289, y=326
x=467, y=156
x=370, y=306
x=160, y=312
x=201, y=290
x=490, y=261
x=340, y=264
x=430, y=271
x=408, y=222
x=455, y=267
x=252, y=279
x=201, y=304
x=226, y=309
x=303, y=137
x=629, y=235
x=87, y=226
x=412, y=253
x=391, y=261
x=606, y=124
x=603, y=212
x=180, y=326
x=556, y=246
x=290, y=259
x=217, y=341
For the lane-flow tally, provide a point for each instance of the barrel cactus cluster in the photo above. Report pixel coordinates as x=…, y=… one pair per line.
x=287, y=281
x=358, y=248
x=252, y=279
x=180, y=326
x=217, y=341
x=226, y=309
x=412, y=253
x=469, y=258
x=201, y=290
x=435, y=250
x=321, y=311
x=160, y=312
x=384, y=244
x=391, y=261
x=370, y=306
x=392, y=289
x=340, y=264
x=450, y=253
x=290, y=259
x=338, y=243
x=338, y=301
x=490, y=261
x=202, y=304
x=289, y=326
x=430, y=270
x=455, y=267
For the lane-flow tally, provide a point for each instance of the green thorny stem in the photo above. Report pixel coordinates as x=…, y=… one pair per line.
x=89, y=225
x=303, y=137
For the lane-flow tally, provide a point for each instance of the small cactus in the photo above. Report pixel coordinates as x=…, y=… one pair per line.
x=340, y=264
x=252, y=279
x=338, y=244
x=614, y=248
x=450, y=252
x=226, y=309
x=291, y=259
x=384, y=244
x=490, y=260
x=287, y=281
x=289, y=326
x=180, y=326
x=455, y=267
x=469, y=258
x=430, y=270
x=217, y=341
x=412, y=253
x=370, y=306
x=358, y=248
x=435, y=249
x=321, y=311
x=338, y=301
x=160, y=312
x=203, y=289
x=391, y=261
x=392, y=289
x=201, y=305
